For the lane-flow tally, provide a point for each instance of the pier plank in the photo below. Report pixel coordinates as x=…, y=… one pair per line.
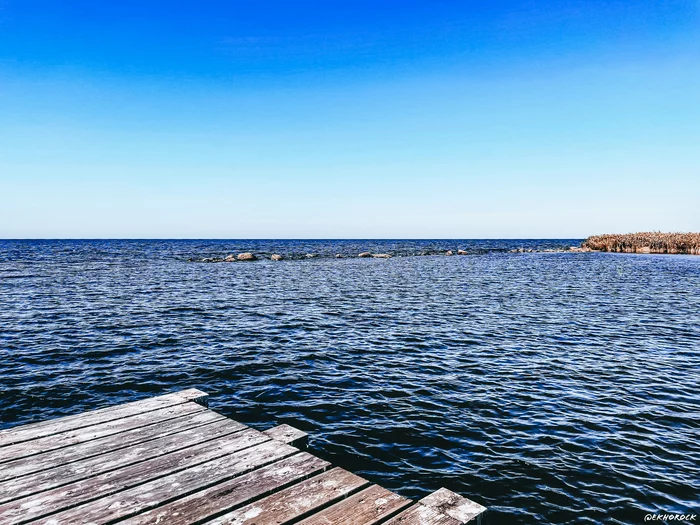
x=148, y=495
x=296, y=501
x=225, y=496
x=55, y=458
x=454, y=505
x=72, y=437
x=54, y=426
x=38, y=505
x=288, y=434
x=369, y=506
x=419, y=514
x=89, y=467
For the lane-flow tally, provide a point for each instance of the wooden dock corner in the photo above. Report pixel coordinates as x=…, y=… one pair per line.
x=169, y=460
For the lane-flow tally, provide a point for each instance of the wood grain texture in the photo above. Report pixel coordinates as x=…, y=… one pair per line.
x=369, y=506
x=419, y=514
x=154, y=493
x=296, y=501
x=32, y=507
x=228, y=495
x=96, y=465
x=73, y=437
x=453, y=505
x=55, y=458
x=288, y=434
x=94, y=417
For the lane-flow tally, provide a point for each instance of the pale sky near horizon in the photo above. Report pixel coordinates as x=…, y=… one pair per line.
x=415, y=119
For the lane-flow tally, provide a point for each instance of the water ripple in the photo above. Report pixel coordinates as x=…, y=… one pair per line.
x=552, y=387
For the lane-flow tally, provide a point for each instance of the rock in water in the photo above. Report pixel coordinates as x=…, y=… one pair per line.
x=462, y=252
x=365, y=254
x=230, y=258
x=310, y=255
x=381, y=256
x=449, y=252
x=276, y=257
x=338, y=255
x=246, y=257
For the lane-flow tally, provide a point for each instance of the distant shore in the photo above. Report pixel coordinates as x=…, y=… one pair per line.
x=645, y=242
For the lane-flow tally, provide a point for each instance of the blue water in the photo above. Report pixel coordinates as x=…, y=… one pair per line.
x=551, y=387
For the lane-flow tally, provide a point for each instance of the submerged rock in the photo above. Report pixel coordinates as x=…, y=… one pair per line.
x=365, y=254
x=381, y=256
x=246, y=257
x=276, y=257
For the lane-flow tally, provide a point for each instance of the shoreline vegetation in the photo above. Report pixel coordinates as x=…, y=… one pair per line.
x=645, y=242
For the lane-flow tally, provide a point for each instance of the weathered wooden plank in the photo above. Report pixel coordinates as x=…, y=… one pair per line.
x=54, y=500
x=73, y=437
x=419, y=514
x=225, y=496
x=180, y=464
x=55, y=458
x=453, y=505
x=149, y=495
x=54, y=426
x=296, y=501
x=288, y=434
x=85, y=468
x=369, y=506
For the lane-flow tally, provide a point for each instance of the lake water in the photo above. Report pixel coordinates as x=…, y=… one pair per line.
x=551, y=387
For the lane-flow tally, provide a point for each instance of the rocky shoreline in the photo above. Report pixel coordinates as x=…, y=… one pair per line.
x=249, y=256
x=644, y=242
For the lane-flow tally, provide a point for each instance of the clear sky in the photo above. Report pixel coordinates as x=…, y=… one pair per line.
x=348, y=119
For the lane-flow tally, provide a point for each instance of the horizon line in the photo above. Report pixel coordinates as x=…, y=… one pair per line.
x=290, y=238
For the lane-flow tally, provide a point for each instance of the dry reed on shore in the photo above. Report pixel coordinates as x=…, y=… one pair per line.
x=645, y=242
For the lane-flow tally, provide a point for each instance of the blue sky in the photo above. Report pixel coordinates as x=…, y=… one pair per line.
x=226, y=119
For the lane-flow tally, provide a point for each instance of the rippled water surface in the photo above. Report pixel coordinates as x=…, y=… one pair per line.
x=551, y=387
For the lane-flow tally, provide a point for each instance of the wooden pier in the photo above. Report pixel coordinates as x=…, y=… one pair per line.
x=169, y=460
